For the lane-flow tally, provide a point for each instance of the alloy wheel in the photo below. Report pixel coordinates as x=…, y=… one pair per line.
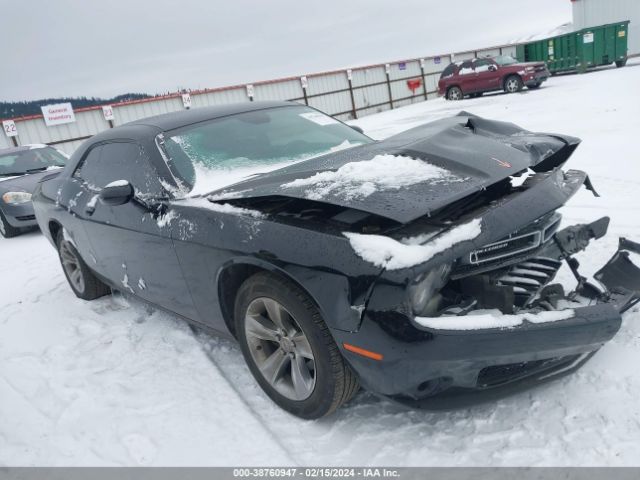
x=280, y=349
x=512, y=85
x=455, y=94
x=71, y=265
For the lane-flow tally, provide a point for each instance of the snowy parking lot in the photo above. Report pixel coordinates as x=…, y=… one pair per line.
x=114, y=382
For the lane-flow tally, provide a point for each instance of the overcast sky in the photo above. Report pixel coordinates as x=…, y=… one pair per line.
x=104, y=48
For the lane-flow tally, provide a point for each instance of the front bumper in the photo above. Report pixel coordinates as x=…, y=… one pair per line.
x=434, y=365
x=440, y=368
x=20, y=216
x=536, y=78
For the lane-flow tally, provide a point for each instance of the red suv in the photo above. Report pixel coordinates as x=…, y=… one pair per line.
x=474, y=77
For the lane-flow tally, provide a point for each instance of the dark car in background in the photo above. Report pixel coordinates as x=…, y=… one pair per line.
x=419, y=267
x=21, y=168
x=479, y=75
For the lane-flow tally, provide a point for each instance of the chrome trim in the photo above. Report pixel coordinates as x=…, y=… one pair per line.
x=537, y=236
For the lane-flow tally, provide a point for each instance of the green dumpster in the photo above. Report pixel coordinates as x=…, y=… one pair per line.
x=580, y=50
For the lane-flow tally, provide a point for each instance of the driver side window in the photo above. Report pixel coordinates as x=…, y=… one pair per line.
x=483, y=65
x=466, y=68
x=120, y=161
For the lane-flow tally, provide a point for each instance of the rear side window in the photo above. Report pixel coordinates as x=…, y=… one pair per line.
x=120, y=161
x=449, y=71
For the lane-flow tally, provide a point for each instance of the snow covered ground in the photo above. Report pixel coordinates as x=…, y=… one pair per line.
x=113, y=382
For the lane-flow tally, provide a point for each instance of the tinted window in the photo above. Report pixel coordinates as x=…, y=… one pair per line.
x=120, y=161
x=466, y=68
x=449, y=71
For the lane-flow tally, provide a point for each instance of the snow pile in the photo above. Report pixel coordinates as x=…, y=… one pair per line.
x=492, y=319
x=361, y=179
x=554, y=32
x=211, y=179
x=393, y=255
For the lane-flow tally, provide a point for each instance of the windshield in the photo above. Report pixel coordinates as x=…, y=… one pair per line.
x=505, y=60
x=211, y=155
x=33, y=160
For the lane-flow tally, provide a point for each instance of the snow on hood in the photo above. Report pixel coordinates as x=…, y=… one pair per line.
x=4, y=179
x=492, y=319
x=361, y=179
x=392, y=254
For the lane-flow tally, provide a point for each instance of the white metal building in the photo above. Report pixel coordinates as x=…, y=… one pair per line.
x=591, y=13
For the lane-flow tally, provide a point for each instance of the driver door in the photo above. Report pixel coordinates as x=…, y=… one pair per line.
x=130, y=247
x=487, y=76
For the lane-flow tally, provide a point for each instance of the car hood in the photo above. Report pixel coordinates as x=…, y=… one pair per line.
x=24, y=183
x=474, y=152
x=528, y=64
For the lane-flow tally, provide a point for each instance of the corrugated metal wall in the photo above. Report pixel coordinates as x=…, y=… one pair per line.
x=372, y=89
x=591, y=13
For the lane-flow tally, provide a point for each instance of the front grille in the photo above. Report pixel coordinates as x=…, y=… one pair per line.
x=501, y=374
x=525, y=240
x=25, y=218
x=529, y=277
x=506, y=248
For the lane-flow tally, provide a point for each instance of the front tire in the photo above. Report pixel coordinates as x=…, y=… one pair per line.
x=455, y=93
x=6, y=230
x=289, y=349
x=81, y=279
x=621, y=63
x=513, y=84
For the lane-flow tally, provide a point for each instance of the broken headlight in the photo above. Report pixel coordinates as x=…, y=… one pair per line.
x=422, y=292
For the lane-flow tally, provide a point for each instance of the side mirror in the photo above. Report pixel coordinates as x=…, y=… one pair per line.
x=493, y=68
x=117, y=193
x=357, y=129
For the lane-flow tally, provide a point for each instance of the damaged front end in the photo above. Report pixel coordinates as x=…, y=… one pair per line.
x=515, y=274
x=487, y=317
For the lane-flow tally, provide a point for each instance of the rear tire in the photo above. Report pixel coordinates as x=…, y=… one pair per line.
x=621, y=63
x=81, y=279
x=6, y=230
x=455, y=93
x=513, y=84
x=283, y=338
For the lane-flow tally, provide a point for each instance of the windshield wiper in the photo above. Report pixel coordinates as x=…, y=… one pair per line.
x=41, y=169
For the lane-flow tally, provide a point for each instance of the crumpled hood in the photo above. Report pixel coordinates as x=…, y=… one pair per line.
x=23, y=183
x=475, y=153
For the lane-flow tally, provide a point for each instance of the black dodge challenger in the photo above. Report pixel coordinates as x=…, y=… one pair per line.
x=420, y=267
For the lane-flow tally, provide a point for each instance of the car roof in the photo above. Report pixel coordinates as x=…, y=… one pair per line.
x=173, y=120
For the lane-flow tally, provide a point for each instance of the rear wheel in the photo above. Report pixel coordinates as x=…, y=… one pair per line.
x=6, y=230
x=513, y=84
x=82, y=280
x=454, y=93
x=289, y=348
x=621, y=63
